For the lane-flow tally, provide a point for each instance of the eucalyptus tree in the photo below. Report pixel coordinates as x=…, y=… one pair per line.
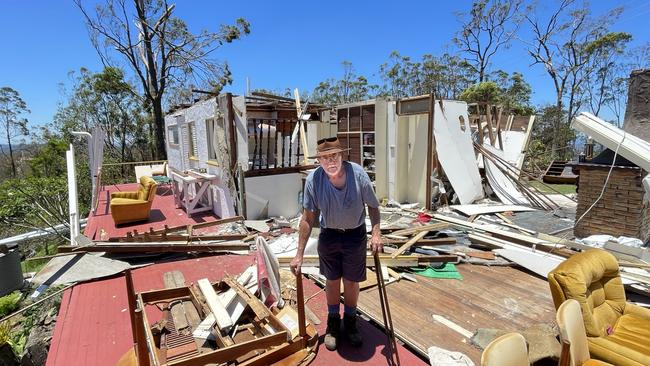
x=160, y=50
x=13, y=125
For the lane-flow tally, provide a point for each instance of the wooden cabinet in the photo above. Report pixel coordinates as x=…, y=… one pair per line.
x=356, y=130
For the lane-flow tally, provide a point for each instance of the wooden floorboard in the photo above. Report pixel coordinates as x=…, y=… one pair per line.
x=487, y=297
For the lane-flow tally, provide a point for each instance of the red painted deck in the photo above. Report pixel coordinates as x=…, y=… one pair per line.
x=93, y=326
x=163, y=212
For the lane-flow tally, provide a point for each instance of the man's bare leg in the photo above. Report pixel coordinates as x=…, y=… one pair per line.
x=333, y=291
x=350, y=292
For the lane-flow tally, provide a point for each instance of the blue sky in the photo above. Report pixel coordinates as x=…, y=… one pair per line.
x=292, y=44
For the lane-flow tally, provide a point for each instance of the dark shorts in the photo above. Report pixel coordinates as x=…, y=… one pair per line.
x=342, y=253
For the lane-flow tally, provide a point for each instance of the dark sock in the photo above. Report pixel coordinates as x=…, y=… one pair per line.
x=350, y=310
x=333, y=309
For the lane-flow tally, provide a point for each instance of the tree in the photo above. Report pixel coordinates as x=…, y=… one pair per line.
x=34, y=203
x=12, y=106
x=160, y=50
x=489, y=26
x=486, y=92
x=350, y=88
x=104, y=99
x=515, y=93
x=563, y=45
x=49, y=158
x=602, y=70
x=445, y=76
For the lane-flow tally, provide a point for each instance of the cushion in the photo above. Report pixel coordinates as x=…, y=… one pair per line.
x=629, y=340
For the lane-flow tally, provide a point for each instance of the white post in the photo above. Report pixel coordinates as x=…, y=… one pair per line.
x=73, y=207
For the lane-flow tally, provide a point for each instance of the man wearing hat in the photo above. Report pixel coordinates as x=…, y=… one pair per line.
x=340, y=191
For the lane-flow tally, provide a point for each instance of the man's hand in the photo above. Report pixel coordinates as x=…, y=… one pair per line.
x=375, y=243
x=296, y=264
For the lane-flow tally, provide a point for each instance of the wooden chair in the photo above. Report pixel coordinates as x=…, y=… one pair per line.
x=508, y=350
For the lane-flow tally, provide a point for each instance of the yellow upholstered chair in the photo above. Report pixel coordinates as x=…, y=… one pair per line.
x=508, y=350
x=573, y=335
x=617, y=332
x=133, y=206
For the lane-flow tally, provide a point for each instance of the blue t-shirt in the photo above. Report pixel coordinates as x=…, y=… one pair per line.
x=340, y=208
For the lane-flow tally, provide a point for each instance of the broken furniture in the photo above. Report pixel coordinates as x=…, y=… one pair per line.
x=133, y=206
x=508, y=350
x=260, y=336
x=192, y=191
x=617, y=331
x=575, y=349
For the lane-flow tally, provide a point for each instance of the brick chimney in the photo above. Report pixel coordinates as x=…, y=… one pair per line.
x=637, y=113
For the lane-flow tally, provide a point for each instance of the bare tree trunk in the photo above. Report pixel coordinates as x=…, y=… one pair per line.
x=11, y=154
x=555, y=142
x=159, y=123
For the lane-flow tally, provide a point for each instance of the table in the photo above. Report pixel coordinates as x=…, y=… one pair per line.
x=189, y=190
x=163, y=181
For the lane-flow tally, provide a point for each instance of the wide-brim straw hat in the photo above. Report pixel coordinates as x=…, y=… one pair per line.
x=327, y=146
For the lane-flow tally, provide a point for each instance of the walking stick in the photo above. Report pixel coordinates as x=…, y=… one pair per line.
x=385, y=311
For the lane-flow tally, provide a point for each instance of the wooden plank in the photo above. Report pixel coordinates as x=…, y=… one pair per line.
x=488, y=113
x=156, y=248
x=179, y=238
x=175, y=279
x=230, y=353
x=199, y=302
x=416, y=229
x=216, y=307
x=522, y=300
x=401, y=261
x=260, y=310
x=229, y=296
x=408, y=244
x=275, y=355
x=436, y=241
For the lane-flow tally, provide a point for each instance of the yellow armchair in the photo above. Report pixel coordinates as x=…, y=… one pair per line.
x=133, y=206
x=617, y=332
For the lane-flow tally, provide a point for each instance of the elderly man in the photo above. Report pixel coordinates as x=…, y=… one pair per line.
x=340, y=191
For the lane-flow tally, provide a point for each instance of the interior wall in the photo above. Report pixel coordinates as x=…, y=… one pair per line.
x=381, y=148
x=273, y=195
x=241, y=135
x=411, y=147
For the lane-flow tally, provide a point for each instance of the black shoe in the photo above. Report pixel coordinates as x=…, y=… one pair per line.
x=351, y=331
x=333, y=331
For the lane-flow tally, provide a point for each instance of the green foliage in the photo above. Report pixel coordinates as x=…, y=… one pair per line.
x=104, y=100
x=510, y=91
x=350, y=88
x=485, y=92
x=541, y=151
x=34, y=202
x=12, y=125
x=49, y=159
x=445, y=76
x=9, y=303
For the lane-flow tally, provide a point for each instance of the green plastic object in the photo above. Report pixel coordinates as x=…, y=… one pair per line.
x=449, y=271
